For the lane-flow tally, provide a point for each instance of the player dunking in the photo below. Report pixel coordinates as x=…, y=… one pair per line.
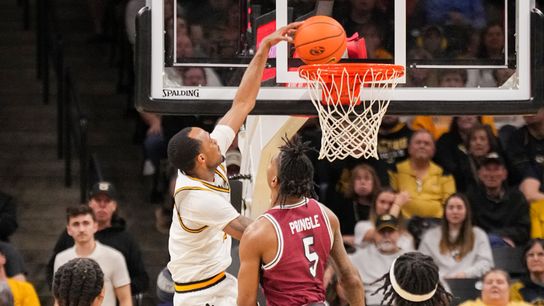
x=413, y=280
x=291, y=243
x=203, y=218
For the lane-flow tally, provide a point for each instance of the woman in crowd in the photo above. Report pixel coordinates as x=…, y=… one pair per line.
x=495, y=291
x=529, y=287
x=79, y=282
x=479, y=143
x=387, y=202
x=459, y=249
x=491, y=48
x=358, y=196
x=451, y=146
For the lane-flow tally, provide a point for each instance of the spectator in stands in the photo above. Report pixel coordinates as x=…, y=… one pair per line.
x=456, y=13
x=165, y=288
x=82, y=225
x=451, y=147
x=480, y=142
x=434, y=41
x=15, y=266
x=525, y=151
x=393, y=137
x=452, y=143
x=425, y=181
x=491, y=48
x=386, y=202
x=358, y=196
x=529, y=287
x=174, y=77
x=111, y=232
x=500, y=211
x=373, y=34
x=361, y=13
x=80, y=281
x=8, y=216
x=6, y=298
x=22, y=292
x=427, y=184
x=458, y=249
x=418, y=77
x=374, y=261
x=495, y=291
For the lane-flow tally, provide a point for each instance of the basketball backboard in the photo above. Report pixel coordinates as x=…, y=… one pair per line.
x=490, y=50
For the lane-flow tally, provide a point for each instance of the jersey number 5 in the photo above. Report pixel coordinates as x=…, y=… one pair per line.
x=310, y=254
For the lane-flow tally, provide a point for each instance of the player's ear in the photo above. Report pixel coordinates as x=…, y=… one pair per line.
x=201, y=158
x=274, y=181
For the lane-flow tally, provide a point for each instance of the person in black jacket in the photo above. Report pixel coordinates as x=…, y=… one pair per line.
x=502, y=212
x=111, y=232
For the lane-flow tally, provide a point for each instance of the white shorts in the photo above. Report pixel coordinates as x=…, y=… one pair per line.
x=222, y=294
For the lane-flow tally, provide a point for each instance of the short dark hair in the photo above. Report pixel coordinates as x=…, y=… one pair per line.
x=182, y=150
x=417, y=274
x=79, y=210
x=78, y=282
x=295, y=170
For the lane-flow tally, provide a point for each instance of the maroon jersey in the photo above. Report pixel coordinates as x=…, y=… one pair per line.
x=295, y=275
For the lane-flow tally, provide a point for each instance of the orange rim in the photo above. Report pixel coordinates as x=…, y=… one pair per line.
x=388, y=71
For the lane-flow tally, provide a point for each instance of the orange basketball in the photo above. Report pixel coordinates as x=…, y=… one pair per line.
x=320, y=40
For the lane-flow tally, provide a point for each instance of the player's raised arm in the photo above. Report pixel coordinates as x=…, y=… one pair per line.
x=245, y=98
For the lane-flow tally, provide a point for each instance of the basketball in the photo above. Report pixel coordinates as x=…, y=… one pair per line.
x=320, y=40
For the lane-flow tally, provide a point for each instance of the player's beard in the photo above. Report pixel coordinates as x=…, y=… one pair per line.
x=222, y=158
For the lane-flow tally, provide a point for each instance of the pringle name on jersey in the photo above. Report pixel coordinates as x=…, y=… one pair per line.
x=304, y=224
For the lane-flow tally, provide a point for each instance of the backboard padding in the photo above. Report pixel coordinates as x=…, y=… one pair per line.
x=259, y=143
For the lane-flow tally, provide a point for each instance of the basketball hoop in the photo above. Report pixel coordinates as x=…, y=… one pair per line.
x=350, y=124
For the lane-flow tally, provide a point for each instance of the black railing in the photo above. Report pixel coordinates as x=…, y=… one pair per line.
x=72, y=122
x=75, y=133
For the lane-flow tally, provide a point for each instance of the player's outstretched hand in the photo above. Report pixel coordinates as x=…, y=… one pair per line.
x=282, y=34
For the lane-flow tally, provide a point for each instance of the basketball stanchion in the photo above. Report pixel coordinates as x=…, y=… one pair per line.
x=348, y=122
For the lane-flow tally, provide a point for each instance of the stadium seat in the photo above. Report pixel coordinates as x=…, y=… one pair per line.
x=510, y=260
x=463, y=289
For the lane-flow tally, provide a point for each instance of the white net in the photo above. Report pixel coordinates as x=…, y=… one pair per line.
x=349, y=124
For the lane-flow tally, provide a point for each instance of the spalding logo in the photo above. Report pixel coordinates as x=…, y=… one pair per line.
x=318, y=50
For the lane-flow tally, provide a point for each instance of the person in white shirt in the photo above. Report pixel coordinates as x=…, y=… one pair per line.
x=203, y=219
x=374, y=260
x=459, y=249
x=81, y=226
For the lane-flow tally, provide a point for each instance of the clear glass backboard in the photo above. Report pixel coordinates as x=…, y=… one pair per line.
x=461, y=56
